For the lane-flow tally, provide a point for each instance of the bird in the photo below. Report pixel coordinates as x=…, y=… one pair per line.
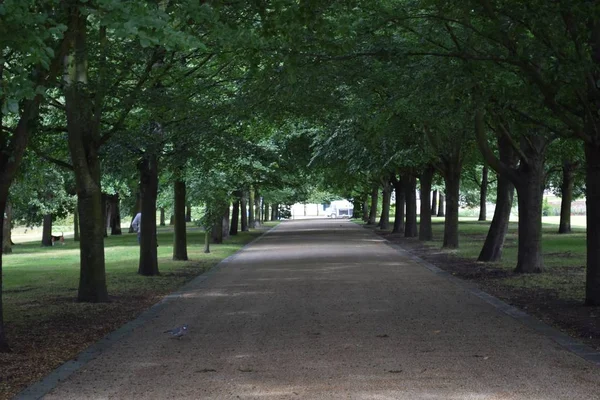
x=178, y=332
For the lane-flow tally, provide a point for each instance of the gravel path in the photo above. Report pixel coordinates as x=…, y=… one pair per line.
x=324, y=309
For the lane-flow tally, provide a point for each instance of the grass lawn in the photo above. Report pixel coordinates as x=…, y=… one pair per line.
x=47, y=327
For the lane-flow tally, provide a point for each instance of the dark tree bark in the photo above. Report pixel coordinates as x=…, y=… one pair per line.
x=172, y=220
x=441, y=205
x=105, y=213
x=179, y=232
x=216, y=233
x=188, y=213
x=265, y=211
x=235, y=216
x=410, y=227
x=365, y=209
x=244, y=213
x=251, y=217
x=47, y=231
x=162, y=217
x=529, y=180
x=425, y=230
x=566, y=190
x=592, y=185
x=225, y=222
x=148, y=167
x=76, y=236
x=115, y=211
x=373, y=209
x=84, y=139
x=257, y=209
x=6, y=235
x=434, y=208
x=452, y=171
x=384, y=220
x=483, y=194
x=400, y=189
x=494, y=241
x=206, y=241
x=274, y=209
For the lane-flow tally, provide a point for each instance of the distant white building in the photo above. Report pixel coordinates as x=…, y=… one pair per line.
x=336, y=209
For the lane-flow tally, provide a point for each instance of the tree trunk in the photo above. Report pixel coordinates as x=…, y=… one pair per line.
x=494, y=241
x=373, y=209
x=566, y=190
x=410, y=227
x=105, y=214
x=384, y=220
x=172, y=220
x=76, y=236
x=188, y=213
x=115, y=221
x=251, y=208
x=434, y=208
x=265, y=212
x=179, y=232
x=483, y=194
x=6, y=226
x=207, y=241
x=530, y=197
x=148, y=167
x=225, y=222
x=257, y=209
x=400, y=189
x=244, y=213
x=162, y=217
x=274, y=209
x=235, y=217
x=217, y=233
x=452, y=172
x=592, y=184
x=441, y=206
x=47, y=231
x=365, y=209
x=425, y=230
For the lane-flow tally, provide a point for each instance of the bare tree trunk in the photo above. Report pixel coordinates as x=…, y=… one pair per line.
x=494, y=241
x=400, y=190
x=115, y=221
x=105, y=213
x=225, y=222
x=434, y=208
x=244, y=212
x=441, y=205
x=566, y=190
x=425, y=229
x=365, y=209
x=384, y=220
x=251, y=216
x=235, y=216
x=6, y=227
x=76, y=237
x=257, y=209
x=410, y=227
x=373, y=209
x=179, y=233
x=162, y=217
x=207, y=241
x=483, y=194
x=47, y=231
x=592, y=185
x=148, y=168
x=452, y=172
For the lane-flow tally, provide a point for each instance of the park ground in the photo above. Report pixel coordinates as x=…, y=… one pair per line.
x=47, y=327
x=555, y=296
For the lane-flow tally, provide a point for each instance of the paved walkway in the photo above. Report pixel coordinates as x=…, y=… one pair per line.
x=324, y=309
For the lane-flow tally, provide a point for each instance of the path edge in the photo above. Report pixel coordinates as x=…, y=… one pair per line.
x=567, y=342
x=42, y=387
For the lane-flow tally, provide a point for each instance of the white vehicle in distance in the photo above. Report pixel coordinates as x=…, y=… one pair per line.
x=339, y=209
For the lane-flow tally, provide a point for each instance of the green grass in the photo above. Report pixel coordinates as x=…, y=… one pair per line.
x=36, y=279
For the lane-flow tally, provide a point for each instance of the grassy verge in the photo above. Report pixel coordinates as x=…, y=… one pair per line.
x=47, y=327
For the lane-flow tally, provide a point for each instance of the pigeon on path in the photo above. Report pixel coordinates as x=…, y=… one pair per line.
x=178, y=332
